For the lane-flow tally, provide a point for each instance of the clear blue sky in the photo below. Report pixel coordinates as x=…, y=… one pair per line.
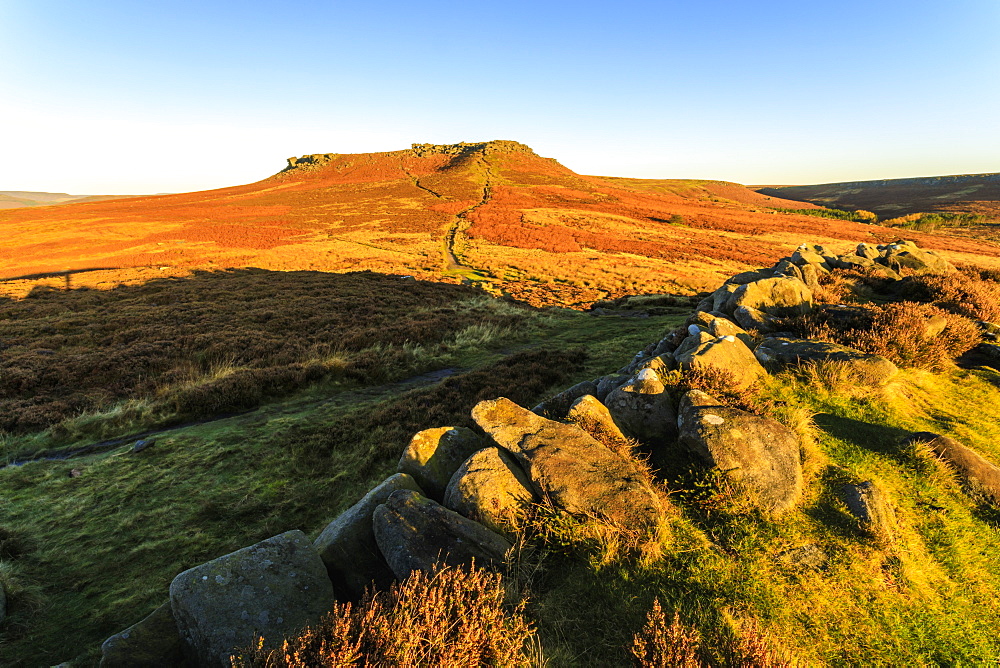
x=111, y=96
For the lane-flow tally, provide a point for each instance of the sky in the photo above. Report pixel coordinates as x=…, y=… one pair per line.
x=126, y=97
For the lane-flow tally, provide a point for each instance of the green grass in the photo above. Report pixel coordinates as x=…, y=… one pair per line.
x=84, y=557
x=928, y=598
x=97, y=552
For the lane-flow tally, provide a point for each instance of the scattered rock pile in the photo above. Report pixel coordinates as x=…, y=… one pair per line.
x=464, y=495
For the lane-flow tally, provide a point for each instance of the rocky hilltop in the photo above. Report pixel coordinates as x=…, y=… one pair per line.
x=603, y=451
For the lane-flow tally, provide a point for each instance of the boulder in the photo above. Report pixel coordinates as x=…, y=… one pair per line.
x=433, y=456
x=780, y=296
x=697, y=337
x=152, y=643
x=806, y=557
x=851, y=261
x=785, y=267
x=862, y=367
x=568, y=467
x=658, y=365
x=271, y=590
x=906, y=255
x=594, y=418
x=750, y=276
x=810, y=275
x=758, y=455
x=717, y=326
x=756, y=321
x=347, y=544
x=803, y=256
x=557, y=406
x=868, y=251
x=728, y=354
x=934, y=326
x=606, y=384
x=980, y=476
x=868, y=504
x=991, y=331
x=415, y=533
x=492, y=489
x=990, y=350
x=644, y=409
x=722, y=296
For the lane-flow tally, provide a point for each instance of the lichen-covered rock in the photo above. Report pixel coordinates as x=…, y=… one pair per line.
x=851, y=261
x=557, y=406
x=697, y=336
x=717, y=326
x=415, y=533
x=811, y=274
x=803, y=256
x=991, y=331
x=347, y=544
x=868, y=251
x=492, y=489
x=433, y=456
x=606, y=384
x=785, y=267
x=780, y=296
x=862, y=367
x=758, y=455
x=990, y=350
x=750, y=276
x=906, y=255
x=755, y=320
x=153, y=642
x=271, y=590
x=644, y=409
x=594, y=418
x=870, y=506
x=728, y=354
x=722, y=296
x=570, y=468
x=980, y=476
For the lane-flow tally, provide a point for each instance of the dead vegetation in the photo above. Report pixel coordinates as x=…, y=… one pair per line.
x=223, y=341
x=449, y=617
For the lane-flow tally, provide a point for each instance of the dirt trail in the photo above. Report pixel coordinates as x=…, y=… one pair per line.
x=461, y=222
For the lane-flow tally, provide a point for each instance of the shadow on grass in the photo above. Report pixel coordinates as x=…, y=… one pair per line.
x=874, y=437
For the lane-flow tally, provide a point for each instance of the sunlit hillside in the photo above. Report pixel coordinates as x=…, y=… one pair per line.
x=494, y=213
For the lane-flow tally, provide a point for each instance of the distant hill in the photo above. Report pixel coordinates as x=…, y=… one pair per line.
x=494, y=213
x=15, y=199
x=965, y=193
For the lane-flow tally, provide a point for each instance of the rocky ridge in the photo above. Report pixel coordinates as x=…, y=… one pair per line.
x=463, y=496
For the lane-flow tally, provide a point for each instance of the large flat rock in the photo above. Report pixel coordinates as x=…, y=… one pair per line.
x=569, y=467
x=415, y=533
x=272, y=590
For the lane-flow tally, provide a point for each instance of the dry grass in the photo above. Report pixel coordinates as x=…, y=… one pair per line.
x=450, y=617
x=224, y=341
x=674, y=644
x=966, y=293
x=896, y=331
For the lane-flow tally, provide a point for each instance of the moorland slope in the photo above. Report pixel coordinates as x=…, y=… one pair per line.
x=492, y=212
x=962, y=193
